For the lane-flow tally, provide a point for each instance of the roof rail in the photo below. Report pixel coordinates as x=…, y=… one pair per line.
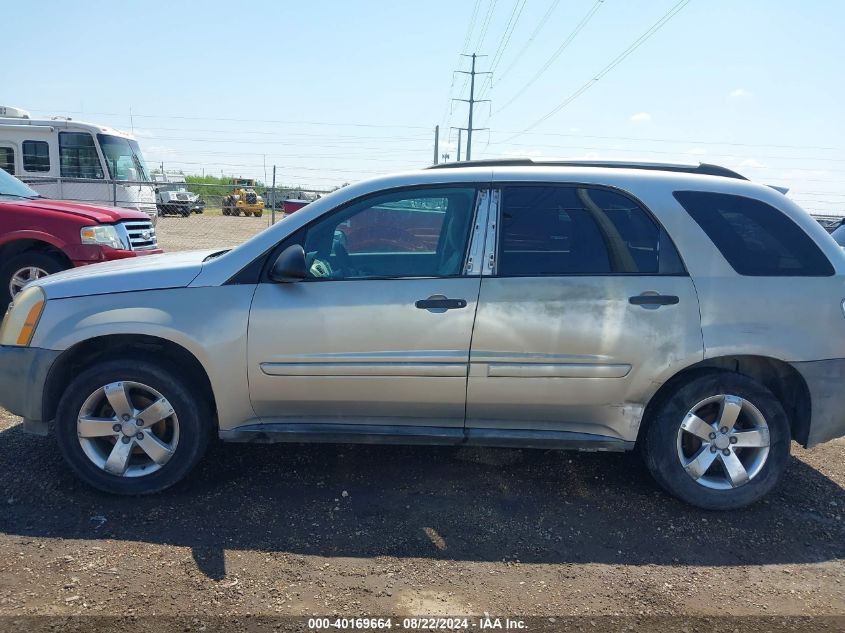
x=705, y=169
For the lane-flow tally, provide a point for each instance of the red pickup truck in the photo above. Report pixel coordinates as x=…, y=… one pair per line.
x=40, y=236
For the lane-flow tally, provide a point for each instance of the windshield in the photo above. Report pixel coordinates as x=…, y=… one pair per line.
x=123, y=157
x=11, y=186
x=839, y=235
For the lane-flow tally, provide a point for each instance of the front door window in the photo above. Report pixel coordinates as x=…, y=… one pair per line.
x=419, y=233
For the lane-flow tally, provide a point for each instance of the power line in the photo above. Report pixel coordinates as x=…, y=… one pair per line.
x=471, y=27
x=330, y=135
x=286, y=166
x=510, y=26
x=239, y=120
x=482, y=35
x=578, y=28
x=252, y=142
x=463, y=49
x=486, y=25
x=543, y=21
x=664, y=140
x=613, y=64
x=298, y=137
x=669, y=152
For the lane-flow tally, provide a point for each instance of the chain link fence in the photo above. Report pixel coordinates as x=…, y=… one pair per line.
x=136, y=195
x=176, y=195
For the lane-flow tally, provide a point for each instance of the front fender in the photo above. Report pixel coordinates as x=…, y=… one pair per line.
x=210, y=323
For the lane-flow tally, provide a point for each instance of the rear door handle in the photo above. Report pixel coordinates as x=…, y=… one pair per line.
x=653, y=300
x=439, y=303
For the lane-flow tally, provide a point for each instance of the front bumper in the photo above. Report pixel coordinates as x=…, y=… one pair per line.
x=826, y=381
x=82, y=254
x=23, y=374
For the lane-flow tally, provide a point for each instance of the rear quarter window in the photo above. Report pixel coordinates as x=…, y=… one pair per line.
x=755, y=238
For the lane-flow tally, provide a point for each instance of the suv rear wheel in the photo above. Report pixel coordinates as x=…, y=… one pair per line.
x=23, y=268
x=719, y=442
x=131, y=427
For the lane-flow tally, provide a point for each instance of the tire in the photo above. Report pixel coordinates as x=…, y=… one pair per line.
x=665, y=444
x=47, y=262
x=192, y=421
x=258, y=214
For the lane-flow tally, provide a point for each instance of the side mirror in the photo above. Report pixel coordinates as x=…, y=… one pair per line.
x=290, y=265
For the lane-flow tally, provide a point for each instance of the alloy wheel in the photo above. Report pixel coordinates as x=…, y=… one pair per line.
x=23, y=277
x=128, y=429
x=723, y=442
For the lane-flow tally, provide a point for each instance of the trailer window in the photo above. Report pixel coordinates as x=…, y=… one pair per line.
x=7, y=159
x=36, y=156
x=78, y=156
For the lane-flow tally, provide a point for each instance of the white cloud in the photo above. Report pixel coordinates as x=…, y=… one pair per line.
x=574, y=129
x=739, y=93
x=697, y=151
x=641, y=117
x=752, y=163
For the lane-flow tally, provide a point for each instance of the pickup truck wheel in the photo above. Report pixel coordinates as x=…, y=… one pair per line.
x=131, y=427
x=23, y=268
x=720, y=442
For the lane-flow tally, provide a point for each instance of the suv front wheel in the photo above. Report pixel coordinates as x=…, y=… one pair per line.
x=721, y=441
x=131, y=427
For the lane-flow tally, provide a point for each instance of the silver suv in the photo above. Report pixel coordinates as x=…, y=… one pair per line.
x=681, y=310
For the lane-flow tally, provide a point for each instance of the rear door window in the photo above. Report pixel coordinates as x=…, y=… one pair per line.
x=572, y=230
x=754, y=237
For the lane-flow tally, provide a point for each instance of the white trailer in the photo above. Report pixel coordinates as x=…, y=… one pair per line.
x=70, y=160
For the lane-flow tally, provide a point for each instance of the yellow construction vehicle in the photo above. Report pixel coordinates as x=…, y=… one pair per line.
x=243, y=198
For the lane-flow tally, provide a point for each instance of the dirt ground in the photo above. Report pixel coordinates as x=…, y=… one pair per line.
x=207, y=231
x=380, y=530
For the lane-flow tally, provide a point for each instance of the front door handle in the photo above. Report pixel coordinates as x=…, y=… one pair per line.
x=653, y=300
x=439, y=303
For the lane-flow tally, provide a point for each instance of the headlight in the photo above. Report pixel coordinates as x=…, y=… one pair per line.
x=104, y=234
x=22, y=317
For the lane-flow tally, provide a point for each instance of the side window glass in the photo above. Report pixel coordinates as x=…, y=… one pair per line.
x=78, y=156
x=567, y=230
x=420, y=233
x=7, y=159
x=754, y=237
x=36, y=156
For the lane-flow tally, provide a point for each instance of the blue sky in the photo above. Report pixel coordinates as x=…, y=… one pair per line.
x=339, y=91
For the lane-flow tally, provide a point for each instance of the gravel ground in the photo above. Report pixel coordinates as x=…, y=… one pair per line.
x=207, y=231
x=376, y=530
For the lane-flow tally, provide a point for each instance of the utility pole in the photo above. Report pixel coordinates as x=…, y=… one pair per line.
x=436, y=142
x=472, y=100
x=273, y=199
x=460, y=133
